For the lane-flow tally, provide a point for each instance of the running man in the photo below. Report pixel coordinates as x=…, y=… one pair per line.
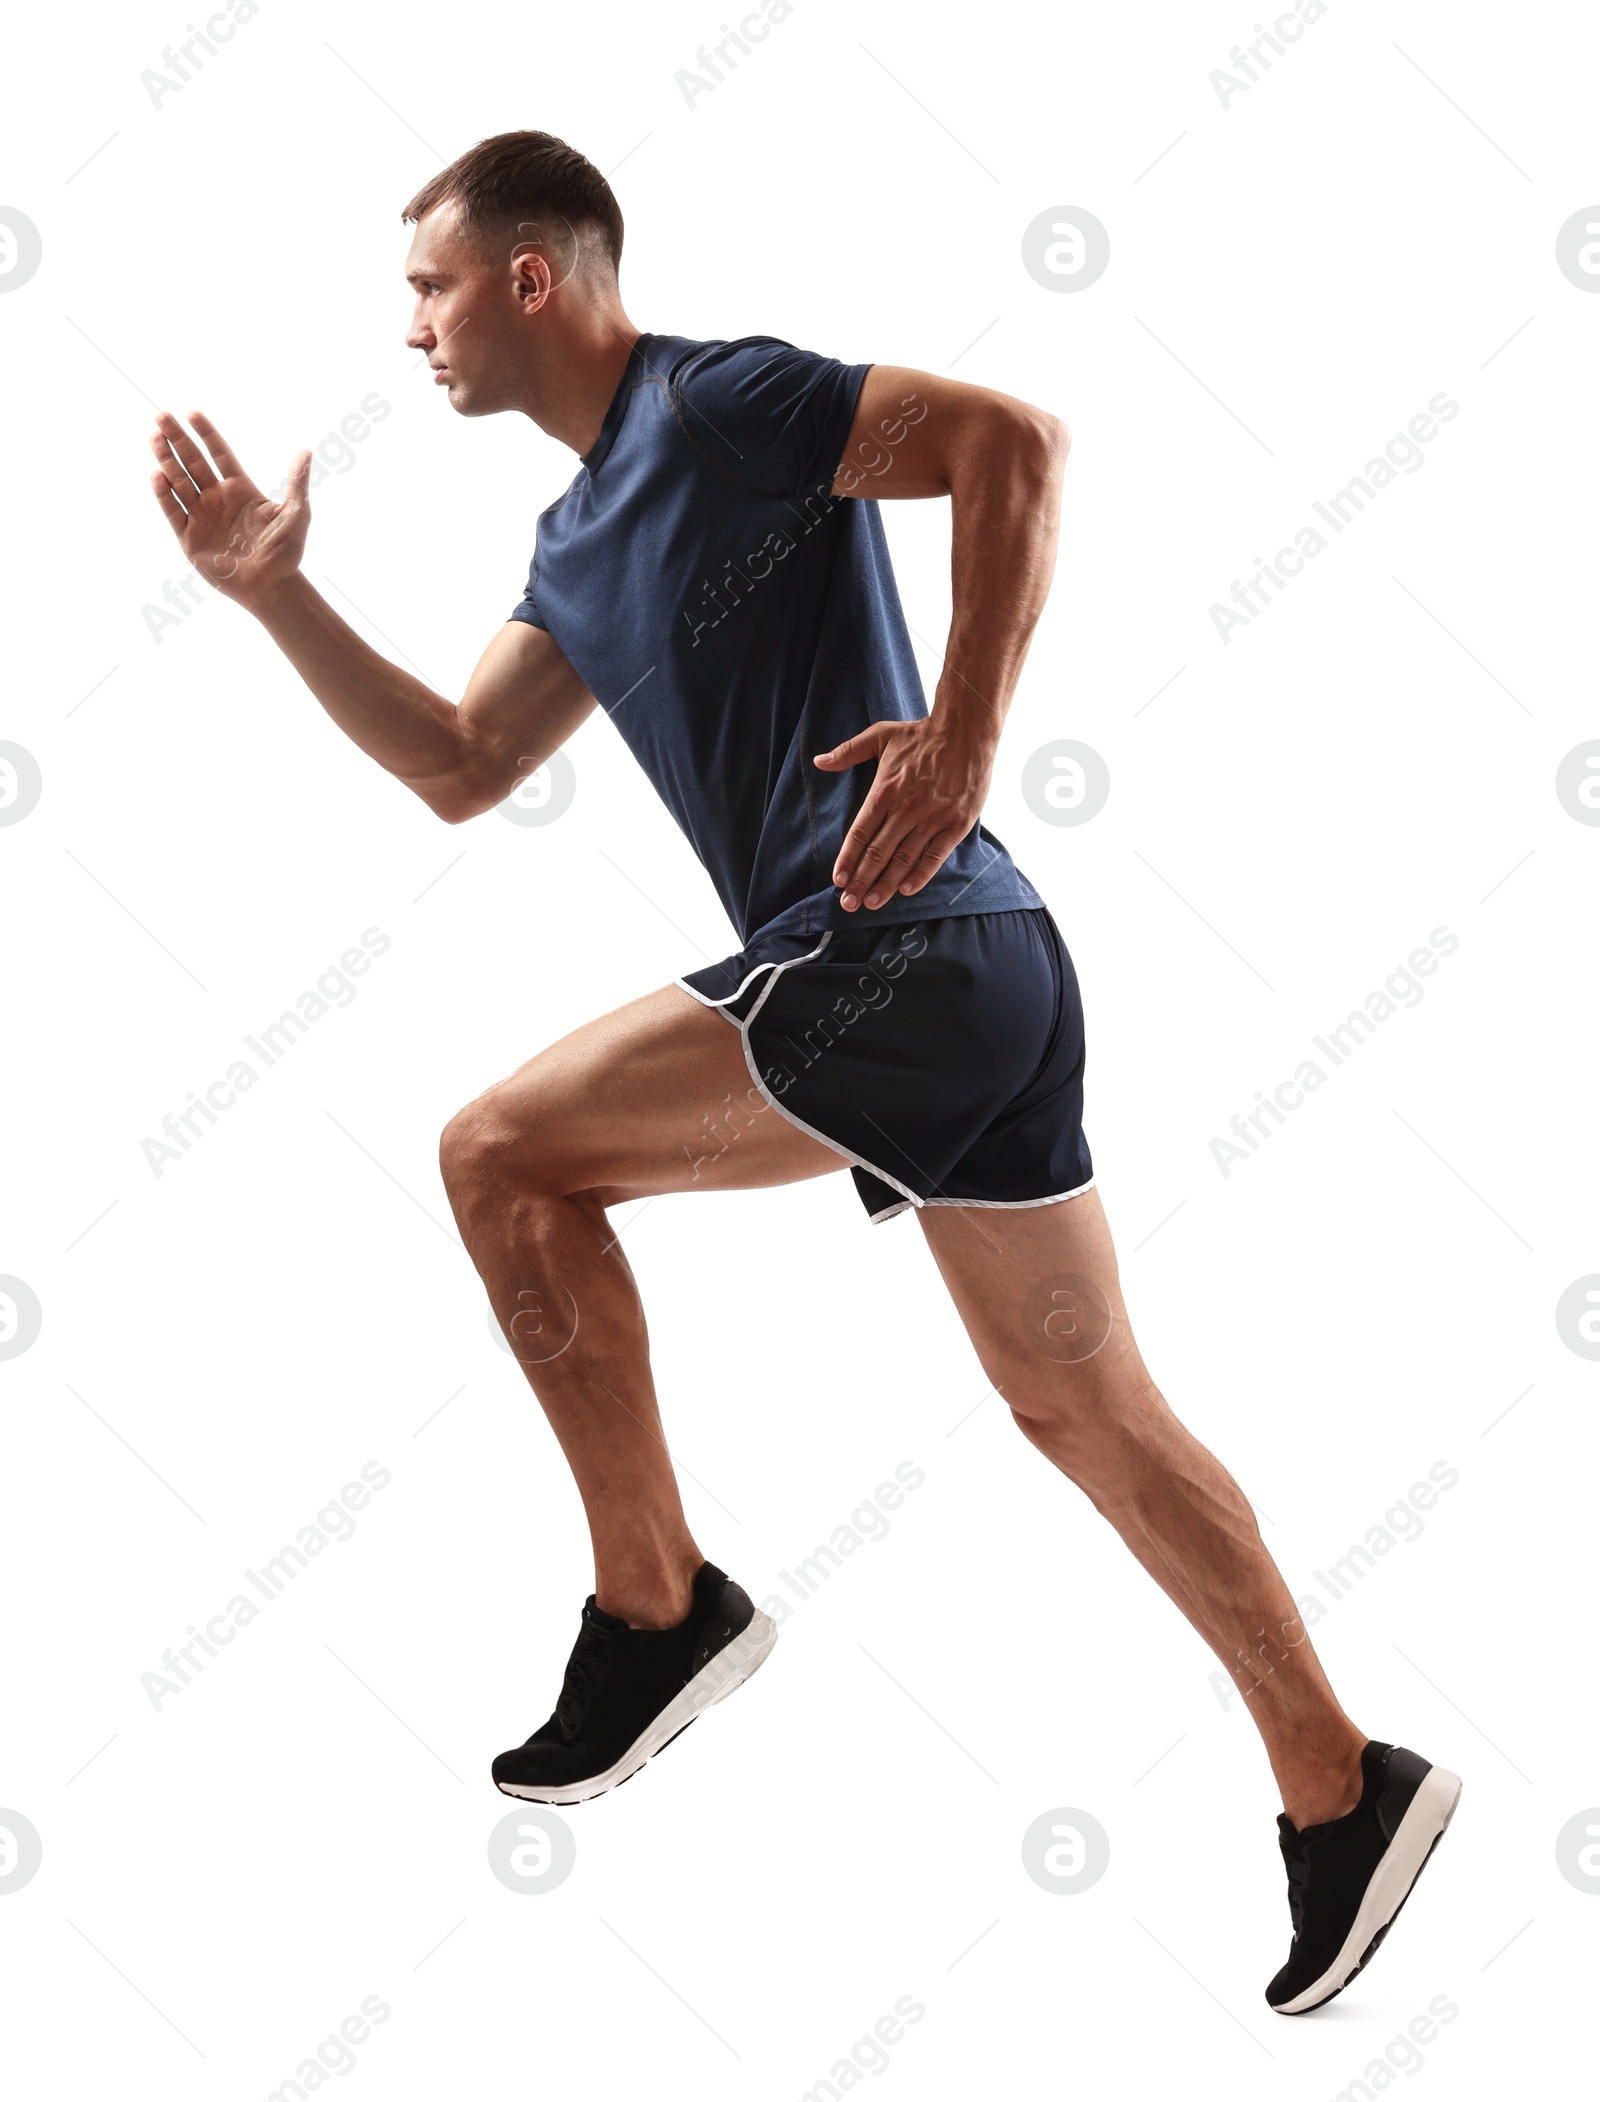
x=717, y=580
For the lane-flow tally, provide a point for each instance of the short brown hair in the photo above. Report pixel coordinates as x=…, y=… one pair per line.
x=520, y=176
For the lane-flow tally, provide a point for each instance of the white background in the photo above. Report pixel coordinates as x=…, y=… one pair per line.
x=1292, y=278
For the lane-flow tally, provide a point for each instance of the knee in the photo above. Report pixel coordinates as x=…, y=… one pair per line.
x=483, y=1148
x=1071, y=1426
x=1093, y=1429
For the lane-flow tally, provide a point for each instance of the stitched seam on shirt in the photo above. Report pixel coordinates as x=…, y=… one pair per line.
x=676, y=402
x=548, y=512
x=811, y=818
x=674, y=399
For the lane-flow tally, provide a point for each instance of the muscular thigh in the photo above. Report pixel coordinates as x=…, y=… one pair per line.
x=652, y=1098
x=1038, y=1292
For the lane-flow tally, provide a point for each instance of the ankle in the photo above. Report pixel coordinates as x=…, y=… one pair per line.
x=658, y=1595
x=1328, y=1787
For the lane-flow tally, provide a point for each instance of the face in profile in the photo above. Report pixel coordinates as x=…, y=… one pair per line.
x=476, y=294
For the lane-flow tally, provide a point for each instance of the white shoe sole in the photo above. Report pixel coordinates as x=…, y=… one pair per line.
x=728, y=1669
x=1430, y=1810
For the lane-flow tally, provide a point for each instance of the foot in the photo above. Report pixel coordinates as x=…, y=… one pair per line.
x=629, y=1691
x=1349, y=1878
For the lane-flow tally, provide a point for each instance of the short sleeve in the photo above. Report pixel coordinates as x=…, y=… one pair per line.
x=772, y=417
x=525, y=610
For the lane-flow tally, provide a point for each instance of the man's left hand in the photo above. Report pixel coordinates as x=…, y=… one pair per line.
x=925, y=798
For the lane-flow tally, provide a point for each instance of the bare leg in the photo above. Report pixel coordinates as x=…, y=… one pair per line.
x=1039, y=1295
x=655, y=1097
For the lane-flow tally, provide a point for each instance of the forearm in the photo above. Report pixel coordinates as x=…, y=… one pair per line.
x=1005, y=506
x=408, y=728
x=1000, y=462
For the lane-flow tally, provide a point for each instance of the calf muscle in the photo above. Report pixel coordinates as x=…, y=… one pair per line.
x=655, y=1097
x=1039, y=1294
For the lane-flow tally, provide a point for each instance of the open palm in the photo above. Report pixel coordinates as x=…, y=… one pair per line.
x=238, y=539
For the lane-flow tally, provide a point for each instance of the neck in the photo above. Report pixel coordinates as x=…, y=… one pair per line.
x=572, y=394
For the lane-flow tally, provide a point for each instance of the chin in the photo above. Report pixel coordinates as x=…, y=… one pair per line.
x=470, y=401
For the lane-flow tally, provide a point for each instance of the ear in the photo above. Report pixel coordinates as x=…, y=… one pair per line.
x=530, y=273
x=554, y=241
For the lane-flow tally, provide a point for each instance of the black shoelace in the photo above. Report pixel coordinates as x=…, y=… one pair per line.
x=1297, y=1860
x=586, y=1667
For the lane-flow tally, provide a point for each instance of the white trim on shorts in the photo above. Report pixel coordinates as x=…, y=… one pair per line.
x=908, y=1198
x=979, y=1204
x=684, y=987
x=1010, y=1204
x=788, y=1115
x=713, y=1005
x=749, y=978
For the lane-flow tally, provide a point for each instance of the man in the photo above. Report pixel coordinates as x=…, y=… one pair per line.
x=716, y=579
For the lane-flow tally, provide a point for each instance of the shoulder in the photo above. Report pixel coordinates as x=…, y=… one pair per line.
x=763, y=410
x=755, y=373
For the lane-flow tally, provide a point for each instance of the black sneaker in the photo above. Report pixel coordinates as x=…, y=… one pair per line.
x=1349, y=1878
x=629, y=1691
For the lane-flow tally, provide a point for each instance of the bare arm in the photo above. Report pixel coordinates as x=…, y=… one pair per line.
x=1001, y=464
x=521, y=703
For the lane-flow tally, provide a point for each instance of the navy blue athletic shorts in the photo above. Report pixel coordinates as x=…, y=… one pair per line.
x=943, y=1059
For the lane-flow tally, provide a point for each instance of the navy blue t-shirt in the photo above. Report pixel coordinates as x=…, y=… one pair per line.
x=734, y=619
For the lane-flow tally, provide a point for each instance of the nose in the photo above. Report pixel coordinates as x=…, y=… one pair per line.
x=419, y=336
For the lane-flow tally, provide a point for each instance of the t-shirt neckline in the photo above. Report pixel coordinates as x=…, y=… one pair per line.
x=596, y=454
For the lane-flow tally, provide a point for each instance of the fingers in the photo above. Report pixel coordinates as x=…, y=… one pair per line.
x=863, y=882
x=930, y=860
x=866, y=744
x=914, y=862
x=300, y=478
x=177, y=517
x=869, y=818
x=905, y=863
x=903, y=831
x=178, y=484
x=221, y=451
x=195, y=464
x=869, y=743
